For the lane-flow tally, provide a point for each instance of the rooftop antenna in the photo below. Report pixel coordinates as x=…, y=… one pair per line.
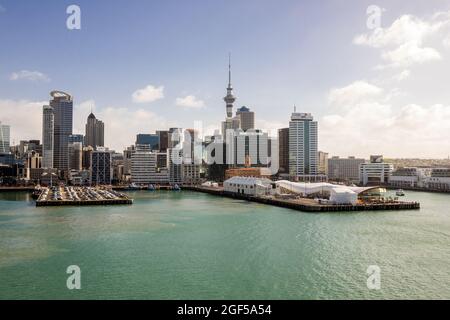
x=295, y=109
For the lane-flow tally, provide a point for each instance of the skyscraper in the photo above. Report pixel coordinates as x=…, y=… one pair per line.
x=151, y=140
x=247, y=118
x=163, y=140
x=62, y=105
x=283, y=143
x=48, y=127
x=4, y=138
x=95, y=132
x=101, y=167
x=75, y=156
x=303, y=153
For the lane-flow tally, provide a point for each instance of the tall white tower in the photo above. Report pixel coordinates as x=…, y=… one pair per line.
x=229, y=98
x=303, y=151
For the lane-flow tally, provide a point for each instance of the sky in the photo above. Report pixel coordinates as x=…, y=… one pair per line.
x=148, y=65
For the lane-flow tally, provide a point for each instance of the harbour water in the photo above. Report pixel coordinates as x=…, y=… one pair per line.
x=187, y=245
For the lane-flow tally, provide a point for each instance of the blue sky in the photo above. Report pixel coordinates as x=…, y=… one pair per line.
x=283, y=53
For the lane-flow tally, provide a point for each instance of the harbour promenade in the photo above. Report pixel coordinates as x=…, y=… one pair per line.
x=308, y=205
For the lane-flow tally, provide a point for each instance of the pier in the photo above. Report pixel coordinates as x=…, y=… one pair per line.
x=80, y=196
x=309, y=205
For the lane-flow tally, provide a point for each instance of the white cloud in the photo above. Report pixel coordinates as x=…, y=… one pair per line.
x=402, y=43
x=190, y=101
x=402, y=75
x=121, y=123
x=368, y=126
x=148, y=94
x=22, y=127
x=29, y=75
x=353, y=93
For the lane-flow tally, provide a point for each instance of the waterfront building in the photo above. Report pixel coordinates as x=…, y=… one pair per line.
x=410, y=177
x=101, y=167
x=148, y=167
x=335, y=194
x=75, y=156
x=439, y=179
x=48, y=127
x=375, y=172
x=175, y=165
x=344, y=169
x=95, y=132
x=151, y=140
x=323, y=163
x=251, y=186
x=303, y=148
x=283, y=156
x=62, y=104
x=246, y=117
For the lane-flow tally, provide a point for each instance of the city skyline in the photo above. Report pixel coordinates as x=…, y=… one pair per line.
x=393, y=89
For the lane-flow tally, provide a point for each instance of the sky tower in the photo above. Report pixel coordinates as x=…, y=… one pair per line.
x=229, y=98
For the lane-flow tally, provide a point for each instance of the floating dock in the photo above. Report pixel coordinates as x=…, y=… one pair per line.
x=309, y=205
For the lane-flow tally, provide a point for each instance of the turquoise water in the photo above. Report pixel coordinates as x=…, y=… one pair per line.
x=186, y=245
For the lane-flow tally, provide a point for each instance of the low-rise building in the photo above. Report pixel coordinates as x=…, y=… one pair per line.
x=344, y=169
x=375, y=172
x=439, y=179
x=409, y=177
x=249, y=186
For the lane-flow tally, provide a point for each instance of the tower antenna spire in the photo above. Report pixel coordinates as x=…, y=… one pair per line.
x=229, y=69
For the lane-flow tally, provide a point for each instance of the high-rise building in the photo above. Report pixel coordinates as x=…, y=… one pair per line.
x=247, y=118
x=175, y=137
x=95, y=132
x=323, y=162
x=76, y=138
x=344, y=169
x=87, y=151
x=151, y=140
x=283, y=143
x=191, y=157
x=175, y=165
x=75, y=156
x=4, y=138
x=148, y=167
x=303, y=141
x=101, y=167
x=163, y=140
x=48, y=127
x=62, y=104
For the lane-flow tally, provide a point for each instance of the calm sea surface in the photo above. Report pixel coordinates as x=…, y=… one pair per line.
x=186, y=245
